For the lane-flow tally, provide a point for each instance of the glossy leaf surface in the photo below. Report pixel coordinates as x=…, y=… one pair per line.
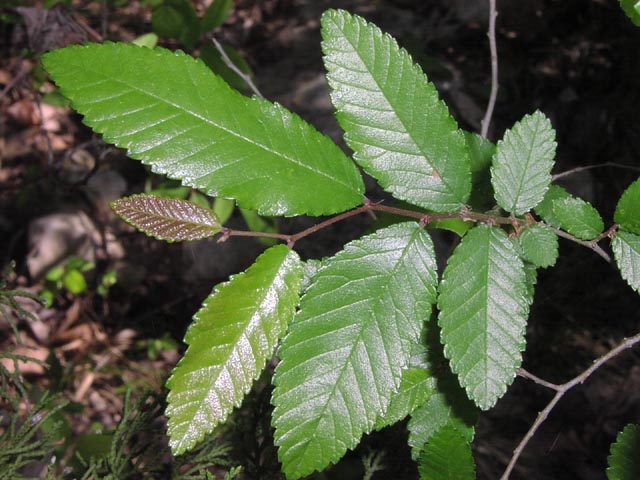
x=231, y=338
x=447, y=456
x=578, y=217
x=626, y=250
x=539, y=245
x=394, y=121
x=483, y=313
x=346, y=350
x=167, y=218
x=172, y=113
x=627, y=213
x=521, y=171
x=624, y=460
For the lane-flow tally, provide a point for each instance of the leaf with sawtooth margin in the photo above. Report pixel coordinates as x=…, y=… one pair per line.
x=394, y=121
x=447, y=456
x=624, y=460
x=483, y=313
x=171, y=112
x=232, y=336
x=521, y=170
x=627, y=213
x=346, y=350
x=578, y=217
x=167, y=219
x=539, y=245
x=626, y=251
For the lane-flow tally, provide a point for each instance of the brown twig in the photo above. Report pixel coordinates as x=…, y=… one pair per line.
x=486, y=121
x=590, y=167
x=561, y=390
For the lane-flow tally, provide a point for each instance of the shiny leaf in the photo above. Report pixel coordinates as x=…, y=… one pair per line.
x=578, y=218
x=483, y=313
x=521, y=171
x=345, y=352
x=627, y=213
x=172, y=113
x=626, y=250
x=400, y=131
x=232, y=336
x=166, y=218
x=624, y=460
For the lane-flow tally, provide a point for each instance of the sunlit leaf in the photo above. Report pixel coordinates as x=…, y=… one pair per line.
x=166, y=218
x=171, y=112
x=394, y=121
x=483, y=313
x=232, y=336
x=521, y=171
x=626, y=250
x=345, y=352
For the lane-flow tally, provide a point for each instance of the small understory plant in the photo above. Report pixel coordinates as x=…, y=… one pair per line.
x=358, y=346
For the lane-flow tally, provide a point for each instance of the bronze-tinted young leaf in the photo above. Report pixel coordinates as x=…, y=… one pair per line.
x=167, y=218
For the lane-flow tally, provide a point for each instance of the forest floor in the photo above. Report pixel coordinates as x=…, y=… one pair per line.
x=576, y=61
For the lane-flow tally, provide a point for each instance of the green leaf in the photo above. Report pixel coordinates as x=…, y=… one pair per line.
x=170, y=111
x=521, y=170
x=216, y=14
x=345, y=352
x=578, y=217
x=624, y=460
x=74, y=282
x=626, y=250
x=149, y=40
x=632, y=9
x=232, y=336
x=223, y=209
x=211, y=56
x=447, y=456
x=483, y=313
x=176, y=19
x=400, y=131
x=627, y=213
x=256, y=223
x=480, y=150
x=539, y=245
x=167, y=219
x=545, y=209
x=449, y=407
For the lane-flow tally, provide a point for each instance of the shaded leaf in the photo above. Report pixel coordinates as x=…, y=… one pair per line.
x=394, y=121
x=627, y=213
x=166, y=218
x=176, y=19
x=483, y=313
x=545, y=209
x=539, y=245
x=632, y=9
x=521, y=171
x=232, y=336
x=171, y=112
x=578, y=217
x=216, y=14
x=211, y=56
x=624, y=460
x=626, y=250
x=345, y=352
x=447, y=456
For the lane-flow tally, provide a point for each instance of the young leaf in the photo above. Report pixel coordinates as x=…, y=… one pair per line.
x=626, y=250
x=447, y=456
x=578, y=217
x=521, y=171
x=627, y=213
x=345, y=352
x=539, y=245
x=449, y=407
x=166, y=218
x=400, y=131
x=624, y=460
x=232, y=336
x=171, y=112
x=545, y=209
x=483, y=313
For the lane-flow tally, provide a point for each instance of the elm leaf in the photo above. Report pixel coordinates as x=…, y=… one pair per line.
x=539, y=245
x=345, y=353
x=624, y=460
x=627, y=213
x=167, y=219
x=232, y=336
x=578, y=217
x=626, y=251
x=483, y=305
x=394, y=121
x=171, y=112
x=447, y=456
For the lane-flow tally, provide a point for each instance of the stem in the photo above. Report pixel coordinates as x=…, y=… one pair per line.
x=486, y=121
x=561, y=390
x=229, y=63
x=592, y=244
x=589, y=167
